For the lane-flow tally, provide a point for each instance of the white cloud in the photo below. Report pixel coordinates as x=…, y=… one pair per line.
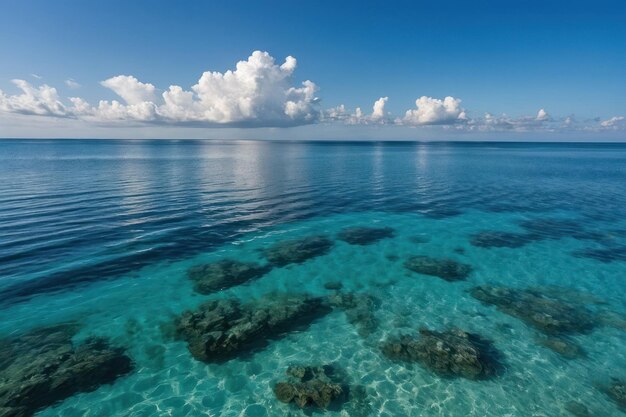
x=378, y=116
x=378, y=112
x=43, y=101
x=72, y=84
x=259, y=92
x=613, y=123
x=542, y=115
x=432, y=111
x=130, y=89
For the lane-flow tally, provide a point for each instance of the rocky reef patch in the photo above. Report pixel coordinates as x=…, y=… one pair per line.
x=223, y=274
x=359, y=309
x=220, y=330
x=447, y=269
x=550, y=315
x=450, y=353
x=43, y=367
x=499, y=239
x=296, y=251
x=616, y=391
x=312, y=387
x=564, y=346
x=364, y=235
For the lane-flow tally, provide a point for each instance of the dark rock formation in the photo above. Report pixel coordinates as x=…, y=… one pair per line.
x=296, y=251
x=615, y=253
x=547, y=314
x=617, y=392
x=420, y=239
x=549, y=228
x=364, y=235
x=563, y=346
x=224, y=274
x=310, y=386
x=333, y=285
x=43, y=367
x=359, y=309
x=498, y=239
x=447, y=269
x=577, y=409
x=223, y=329
x=451, y=353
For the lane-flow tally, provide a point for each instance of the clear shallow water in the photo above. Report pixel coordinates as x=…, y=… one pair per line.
x=104, y=232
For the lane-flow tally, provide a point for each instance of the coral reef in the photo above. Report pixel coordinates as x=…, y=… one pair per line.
x=577, y=409
x=447, y=269
x=359, y=309
x=563, y=346
x=499, y=239
x=295, y=251
x=617, y=392
x=451, y=353
x=224, y=274
x=364, y=235
x=43, y=367
x=550, y=315
x=310, y=386
x=220, y=330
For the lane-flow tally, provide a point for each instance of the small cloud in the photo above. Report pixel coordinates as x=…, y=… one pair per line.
x=378, y=112
x=613, y=123
x=130, y=89
x=72, y=84
x=542, y=115
x=432, y=111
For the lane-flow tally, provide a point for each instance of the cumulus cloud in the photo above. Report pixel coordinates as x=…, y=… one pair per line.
x=72, y=84
x=613, y=122
x=130, y=89
x=42, y=101
x=378, y=112
x=378, y=115
x=258, y=92
x=542, y=115
x=432, y=111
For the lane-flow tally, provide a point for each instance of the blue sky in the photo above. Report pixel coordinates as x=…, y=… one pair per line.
x=507, y=58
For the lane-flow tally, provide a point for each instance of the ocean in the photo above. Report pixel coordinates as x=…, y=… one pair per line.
x=424, y=279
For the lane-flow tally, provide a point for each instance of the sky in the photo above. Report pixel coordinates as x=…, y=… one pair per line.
x=454, y=70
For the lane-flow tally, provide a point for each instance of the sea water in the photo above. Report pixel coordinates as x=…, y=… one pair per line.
x=104, y=232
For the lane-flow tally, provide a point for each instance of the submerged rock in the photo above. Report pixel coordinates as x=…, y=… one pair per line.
x=606, y=255
x=310, y=386
x=295, y=251
x=364, y=235
x=451, y=353
x=333, y=285
x=550, y=228
x=447, y=269
x=420, y=239
x=563, y=346
x=224, y=274
x=547, y=314
x=359, y=309
x=498, y=239
x=220, y=330
x=617, y=392
x=43, y=367
x=577, y=409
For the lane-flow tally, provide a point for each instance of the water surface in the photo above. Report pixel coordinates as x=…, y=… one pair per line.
x=104, y=233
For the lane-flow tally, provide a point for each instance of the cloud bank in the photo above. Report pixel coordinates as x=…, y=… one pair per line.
x=260, y=92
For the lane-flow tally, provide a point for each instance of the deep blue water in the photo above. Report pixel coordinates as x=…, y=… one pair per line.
x=103, y=232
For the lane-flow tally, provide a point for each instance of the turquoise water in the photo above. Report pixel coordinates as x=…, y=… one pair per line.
x=103, y=233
